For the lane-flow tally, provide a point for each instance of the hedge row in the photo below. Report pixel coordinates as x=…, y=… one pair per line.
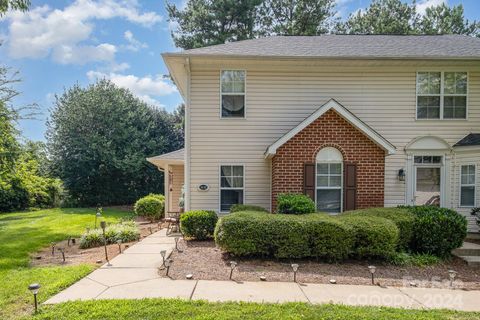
x=312, y=235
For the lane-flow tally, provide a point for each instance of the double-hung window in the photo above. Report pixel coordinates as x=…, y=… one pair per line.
x=467, y=185
x=442, y=95
x=232, y=87
x=231, y=186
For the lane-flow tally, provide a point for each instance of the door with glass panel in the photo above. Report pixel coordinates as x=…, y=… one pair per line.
x=428, y=179
x=329, y=173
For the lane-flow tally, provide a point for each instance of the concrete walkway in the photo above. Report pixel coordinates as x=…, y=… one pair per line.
x=134, y=275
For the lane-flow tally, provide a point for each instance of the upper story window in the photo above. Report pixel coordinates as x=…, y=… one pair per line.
x=442, y=95
x=232, y=88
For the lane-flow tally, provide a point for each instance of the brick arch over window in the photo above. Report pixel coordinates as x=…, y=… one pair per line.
x=330, y=129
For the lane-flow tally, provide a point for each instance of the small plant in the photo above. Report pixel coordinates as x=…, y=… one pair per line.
x=293, y=203
x=198, y=224
x=151, y=207
x=476, y=212
x=405, y=259
x=126, y=232
x=246, y=207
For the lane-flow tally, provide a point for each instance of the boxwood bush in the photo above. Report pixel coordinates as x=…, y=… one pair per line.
x=374, y=237
x=198, y=224
x=437, y=230
x=402, y=217
x=284, y=236
x=246, y=207
x=293, y=203
x=126, y=231
x=151, y=207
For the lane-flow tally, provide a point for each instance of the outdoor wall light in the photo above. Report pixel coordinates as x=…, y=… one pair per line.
x=452, y=274
x=233, y=265
x=401, y=175
x=295, y=269
x=176, y=244
x=168, y=264
x=62, y=251
x=372, y=270
x=163, y=253
x=34, y=288
x=103, y=225
x=119, y=242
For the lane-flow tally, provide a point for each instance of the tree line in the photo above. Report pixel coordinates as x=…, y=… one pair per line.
x=208, y=22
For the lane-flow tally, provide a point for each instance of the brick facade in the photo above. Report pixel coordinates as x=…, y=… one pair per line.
x=330, y=130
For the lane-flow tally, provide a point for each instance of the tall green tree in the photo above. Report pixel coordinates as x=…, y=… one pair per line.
x=381, y=17
x=295, y=17
x=209, y=22
x=397, y=17
x=99, y=138
x=6, y=5
x=442, y=19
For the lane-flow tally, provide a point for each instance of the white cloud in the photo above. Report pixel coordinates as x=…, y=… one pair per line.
x=133, y=44
x=44, y=30
x=424, y=4
x=145, y=88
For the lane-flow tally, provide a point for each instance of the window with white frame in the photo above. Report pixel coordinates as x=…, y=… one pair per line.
x=467, y=185
x=329, y=176
x=442, y=95
x=232, y=89
x=231, y=186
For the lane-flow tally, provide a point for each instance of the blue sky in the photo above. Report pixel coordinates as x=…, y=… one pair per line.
x=59, y=43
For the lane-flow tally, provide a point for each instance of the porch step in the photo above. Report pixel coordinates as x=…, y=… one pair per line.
x=472, y=261
x=467, y=249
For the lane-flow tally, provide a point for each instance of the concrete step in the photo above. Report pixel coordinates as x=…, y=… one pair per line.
x=467, y=249
x=472, y=261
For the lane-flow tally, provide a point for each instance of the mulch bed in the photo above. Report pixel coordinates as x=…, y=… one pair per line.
x=205, y=261
x=75, y=256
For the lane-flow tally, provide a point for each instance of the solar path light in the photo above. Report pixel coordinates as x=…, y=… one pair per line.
x=34, y=288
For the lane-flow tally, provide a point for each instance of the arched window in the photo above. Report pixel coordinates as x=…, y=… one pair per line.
x=329, y=180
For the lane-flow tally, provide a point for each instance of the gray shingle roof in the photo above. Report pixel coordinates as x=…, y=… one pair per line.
x=473, y=139
x=348, y=46
x=174, y=155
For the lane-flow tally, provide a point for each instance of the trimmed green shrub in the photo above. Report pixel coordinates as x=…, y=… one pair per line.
x=437, y=230
x=375, y=237
x=404, y=259
x=246, y=207
x=126, y=231
x=198, y=224
x=151, y=207
x=292, y=203
x=284, y=236
x=403, y=219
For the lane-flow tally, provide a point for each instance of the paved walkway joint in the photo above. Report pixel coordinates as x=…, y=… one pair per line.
x=134, y=275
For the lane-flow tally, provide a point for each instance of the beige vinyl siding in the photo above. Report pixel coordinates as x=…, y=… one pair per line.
x=281, y=94
x=176, y=187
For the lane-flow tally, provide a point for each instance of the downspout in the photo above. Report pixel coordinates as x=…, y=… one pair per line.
x=187, y=187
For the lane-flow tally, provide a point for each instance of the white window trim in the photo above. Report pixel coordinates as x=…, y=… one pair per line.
x=220, y=188
x=442, y=95
x=233, y=94
x=474, y=185
x=330, y=188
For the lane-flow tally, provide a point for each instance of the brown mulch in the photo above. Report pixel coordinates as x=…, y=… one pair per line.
x=205, y=261
x=75, y=256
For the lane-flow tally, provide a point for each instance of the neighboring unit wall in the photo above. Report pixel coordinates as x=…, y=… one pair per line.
x=281, y=94
x=330, y=130
x=465, y=158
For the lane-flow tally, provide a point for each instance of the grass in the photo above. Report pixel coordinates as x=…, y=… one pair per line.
x=23, y=233
x=178, y=309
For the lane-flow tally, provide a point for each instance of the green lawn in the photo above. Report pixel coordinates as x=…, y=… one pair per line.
x=23, y=233
x=177, y=309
